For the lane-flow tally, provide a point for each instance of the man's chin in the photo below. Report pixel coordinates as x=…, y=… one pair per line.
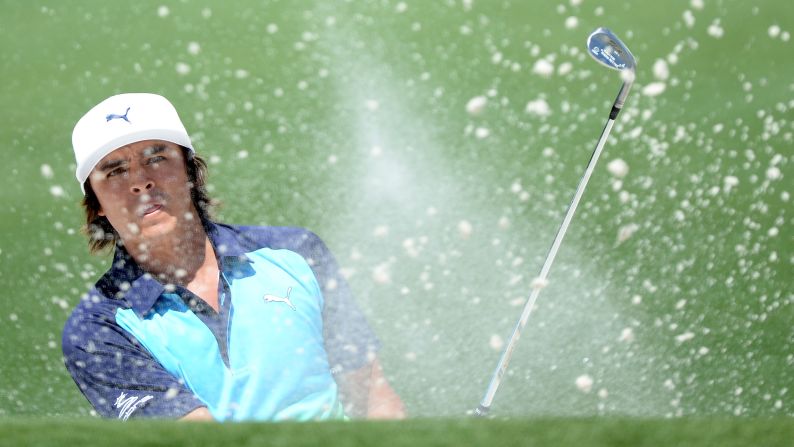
x=152, y=232
x=162, y=228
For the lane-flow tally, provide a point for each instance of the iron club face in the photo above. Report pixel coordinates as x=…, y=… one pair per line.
x=605, y=47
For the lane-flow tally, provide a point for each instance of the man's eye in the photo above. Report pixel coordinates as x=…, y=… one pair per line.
x=156, y=159
x=117, y=171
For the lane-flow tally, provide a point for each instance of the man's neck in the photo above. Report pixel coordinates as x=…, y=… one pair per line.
x=175, y=259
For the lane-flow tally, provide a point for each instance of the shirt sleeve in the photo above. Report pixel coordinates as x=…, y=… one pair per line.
x=117, y=375
x=349, y=340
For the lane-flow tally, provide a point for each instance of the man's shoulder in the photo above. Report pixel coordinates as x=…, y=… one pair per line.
x=102, y=298
x=91, y=317
x=254, y=237
x=100, y=304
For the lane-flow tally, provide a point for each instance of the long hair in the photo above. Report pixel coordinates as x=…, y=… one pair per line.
x=102, y=235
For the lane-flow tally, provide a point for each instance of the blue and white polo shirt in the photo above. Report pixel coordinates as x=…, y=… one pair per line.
x=286, y=324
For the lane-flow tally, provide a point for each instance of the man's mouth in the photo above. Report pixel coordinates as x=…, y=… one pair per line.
x=150, y=209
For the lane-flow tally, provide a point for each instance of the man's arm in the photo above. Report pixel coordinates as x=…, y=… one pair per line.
x=365, y=392
x=118, y=376
x=200, y=414
x=384, y=403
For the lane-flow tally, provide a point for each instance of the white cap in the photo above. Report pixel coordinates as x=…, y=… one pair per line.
x=121, y=120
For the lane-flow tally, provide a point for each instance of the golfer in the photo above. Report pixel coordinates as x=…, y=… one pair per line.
x=200, y=320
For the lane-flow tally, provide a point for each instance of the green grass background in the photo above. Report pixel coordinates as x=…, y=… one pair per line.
x=349, y=118
x=613, y=432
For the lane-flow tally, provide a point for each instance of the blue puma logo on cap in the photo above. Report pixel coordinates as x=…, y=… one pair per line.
x=112, y=116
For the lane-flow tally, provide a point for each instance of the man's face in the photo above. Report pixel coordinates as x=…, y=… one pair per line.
x=143, y=190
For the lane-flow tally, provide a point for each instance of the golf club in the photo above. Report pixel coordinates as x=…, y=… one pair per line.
x=608, y=50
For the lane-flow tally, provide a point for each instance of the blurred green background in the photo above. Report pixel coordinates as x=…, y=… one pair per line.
x=672, y=292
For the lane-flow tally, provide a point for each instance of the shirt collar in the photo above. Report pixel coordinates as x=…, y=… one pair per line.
x=226, y=242
x=142, y=290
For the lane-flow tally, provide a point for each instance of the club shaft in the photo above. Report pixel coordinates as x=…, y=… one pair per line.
x=496, y=379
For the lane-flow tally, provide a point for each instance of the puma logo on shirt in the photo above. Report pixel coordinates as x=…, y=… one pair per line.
x=278, y=299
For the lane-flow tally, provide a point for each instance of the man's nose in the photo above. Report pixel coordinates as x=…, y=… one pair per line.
x=141, y=182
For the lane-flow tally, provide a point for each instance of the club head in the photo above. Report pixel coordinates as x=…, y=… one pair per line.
x=605, y=47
